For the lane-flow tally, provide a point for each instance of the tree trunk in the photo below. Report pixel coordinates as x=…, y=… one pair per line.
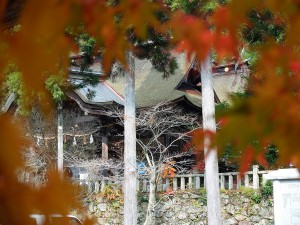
x=211, y=157
x=150, y=216
x=130, y=176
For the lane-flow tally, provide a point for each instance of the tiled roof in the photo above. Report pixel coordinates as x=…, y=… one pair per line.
x=152, y=88
x=103, y=94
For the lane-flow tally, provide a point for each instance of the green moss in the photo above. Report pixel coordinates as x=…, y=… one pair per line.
x=252, y=194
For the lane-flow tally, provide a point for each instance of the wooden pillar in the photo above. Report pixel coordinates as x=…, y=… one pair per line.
x=104, y=148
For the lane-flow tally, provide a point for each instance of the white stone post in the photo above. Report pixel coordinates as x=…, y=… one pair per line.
x=230, y=185
x=60, y=151
x=222, y=182
x=182, y=183
x=255, y=177
x=246, y=180
x=175, y=187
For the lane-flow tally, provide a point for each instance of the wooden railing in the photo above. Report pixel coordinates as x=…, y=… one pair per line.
x=229, y=180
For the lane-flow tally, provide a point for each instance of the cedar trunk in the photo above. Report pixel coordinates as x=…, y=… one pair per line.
x=130, y=176
x=150, y=216
x=214, y=214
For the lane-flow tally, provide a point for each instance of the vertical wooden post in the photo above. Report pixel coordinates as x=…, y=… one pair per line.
x=104, y=147
x=255, y=177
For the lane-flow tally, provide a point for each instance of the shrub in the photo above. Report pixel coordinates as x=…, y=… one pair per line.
x=267, y=190
x=256, y=197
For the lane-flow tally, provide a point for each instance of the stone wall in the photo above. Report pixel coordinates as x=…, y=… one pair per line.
x=238, y=207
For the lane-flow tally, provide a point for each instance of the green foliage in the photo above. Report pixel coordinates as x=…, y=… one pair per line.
x=54, y=84
x=222, y=107
x=209, y=5
x=230, y=155
x=252, y=57
x=196, y=203
x=267, y=190
x=263, y=25
x=187, y=6
x=195, y=6
x=142, y=197
x=157, y=49
x=203, y=198
x=86, y=44
x=229, y=159
x=115, y=204
x=272, y=155
x=13, y=84
x=247, y=191
x=256, y=197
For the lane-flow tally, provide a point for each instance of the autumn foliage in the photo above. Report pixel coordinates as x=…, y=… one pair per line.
x=40, y=47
